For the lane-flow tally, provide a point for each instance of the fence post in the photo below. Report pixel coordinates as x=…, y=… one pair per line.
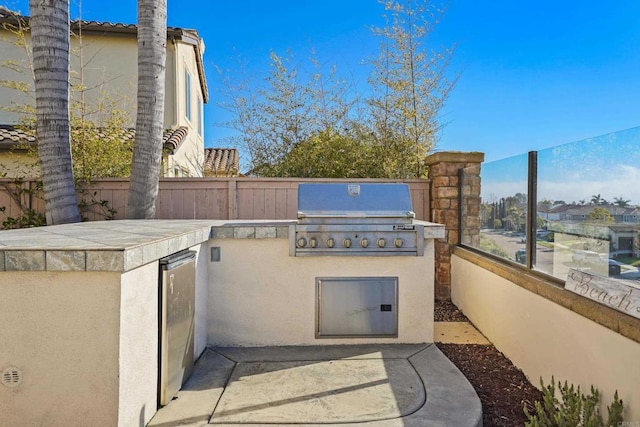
x=233, y=199
x=445, y=208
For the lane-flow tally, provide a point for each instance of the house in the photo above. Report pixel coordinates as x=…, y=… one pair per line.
x=223, y=162
x=104, y=65
x=16, y=143
x=573, y=212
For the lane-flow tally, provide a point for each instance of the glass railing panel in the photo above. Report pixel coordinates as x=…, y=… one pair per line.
x=587, y=207
x=503, y=210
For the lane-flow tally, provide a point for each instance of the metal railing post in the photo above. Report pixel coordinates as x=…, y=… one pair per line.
x=532, y=211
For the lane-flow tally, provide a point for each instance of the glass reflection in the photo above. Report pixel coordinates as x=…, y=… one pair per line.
x=503, y=209
x=587, y=205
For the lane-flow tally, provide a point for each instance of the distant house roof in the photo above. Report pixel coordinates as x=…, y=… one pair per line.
x=221, y=162
x=585, y=210
x=11, y=137
x=190, y=36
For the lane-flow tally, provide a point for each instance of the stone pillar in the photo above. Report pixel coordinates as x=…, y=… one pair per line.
x=443, y=172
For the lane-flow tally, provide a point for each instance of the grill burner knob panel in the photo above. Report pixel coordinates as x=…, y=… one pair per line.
x=302, y=242
x=330, y=243
x=313, y=242
x=364, y=243
x=382, y=243
x=346, y=242
x=398, y=242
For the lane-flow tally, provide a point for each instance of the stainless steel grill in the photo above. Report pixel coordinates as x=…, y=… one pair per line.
x=356, y=219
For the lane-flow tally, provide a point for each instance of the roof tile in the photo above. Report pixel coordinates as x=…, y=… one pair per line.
x=10, y=136
x=221, y=161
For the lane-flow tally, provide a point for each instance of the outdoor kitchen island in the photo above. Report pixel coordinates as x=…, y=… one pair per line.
x=80, y=310
x=354, y=269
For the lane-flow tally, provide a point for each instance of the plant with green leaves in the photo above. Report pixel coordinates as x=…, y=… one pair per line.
x=22, y=193
x=291, y=115
x=573, y=409
x=101, y=143
x=409, y=86
x=600, y=215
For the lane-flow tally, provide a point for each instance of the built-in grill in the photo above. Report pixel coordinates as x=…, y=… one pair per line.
x=356, y=219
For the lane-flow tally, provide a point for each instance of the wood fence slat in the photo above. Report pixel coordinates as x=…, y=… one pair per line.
x=189, y=203
x=213, y=198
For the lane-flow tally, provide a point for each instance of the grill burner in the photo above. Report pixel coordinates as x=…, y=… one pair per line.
x=355, y=219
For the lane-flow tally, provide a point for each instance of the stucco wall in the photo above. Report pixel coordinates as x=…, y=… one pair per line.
x=18, y=164
x=202, y=296
x=100, y=74
x=138, y=345
x=139, y=337
x=543, y=338
x=190, y=156
x=61, y=331
x=259, y=295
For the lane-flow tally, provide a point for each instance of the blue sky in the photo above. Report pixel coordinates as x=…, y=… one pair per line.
x=531, y=74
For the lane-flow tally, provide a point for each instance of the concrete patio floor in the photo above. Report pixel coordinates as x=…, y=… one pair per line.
x=370, y=385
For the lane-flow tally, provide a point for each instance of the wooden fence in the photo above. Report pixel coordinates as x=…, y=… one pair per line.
x=204, y=198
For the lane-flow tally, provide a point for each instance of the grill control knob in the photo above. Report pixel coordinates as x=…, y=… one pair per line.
x=382, y=243
x=364, y=243
x=302, y=242
x=330, y=243
x=346, y=242
x=398, y=242
x=313, y=242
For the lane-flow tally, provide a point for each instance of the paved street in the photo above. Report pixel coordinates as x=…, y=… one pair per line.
x=545, y=256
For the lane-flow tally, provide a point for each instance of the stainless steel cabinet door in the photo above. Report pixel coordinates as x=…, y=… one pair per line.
x=357, y=306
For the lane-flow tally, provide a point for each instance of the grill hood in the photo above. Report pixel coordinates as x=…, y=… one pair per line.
x=338, y=200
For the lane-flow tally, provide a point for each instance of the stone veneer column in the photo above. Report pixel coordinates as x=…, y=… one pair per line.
x=443, y=172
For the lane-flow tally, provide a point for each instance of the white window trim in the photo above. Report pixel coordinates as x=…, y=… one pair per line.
x=187, y=95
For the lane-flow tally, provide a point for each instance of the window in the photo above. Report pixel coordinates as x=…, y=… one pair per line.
x=187, y=91
x=200, y=117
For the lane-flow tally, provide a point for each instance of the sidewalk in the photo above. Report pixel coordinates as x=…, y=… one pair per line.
x=457, y=333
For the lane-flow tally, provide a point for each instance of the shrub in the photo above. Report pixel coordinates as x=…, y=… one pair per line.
x=575, y=409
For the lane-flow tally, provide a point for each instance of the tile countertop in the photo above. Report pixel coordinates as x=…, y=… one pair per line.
x=123, y=245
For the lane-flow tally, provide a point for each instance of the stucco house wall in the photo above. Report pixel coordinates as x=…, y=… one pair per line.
x=109, y=52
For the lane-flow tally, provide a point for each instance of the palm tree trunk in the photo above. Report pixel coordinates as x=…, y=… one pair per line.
x=147, y=151
x=50, y=42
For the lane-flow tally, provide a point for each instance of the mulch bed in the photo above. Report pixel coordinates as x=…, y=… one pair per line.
x=502, y=388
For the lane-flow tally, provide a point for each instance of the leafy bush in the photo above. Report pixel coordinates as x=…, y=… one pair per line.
x=575, y=409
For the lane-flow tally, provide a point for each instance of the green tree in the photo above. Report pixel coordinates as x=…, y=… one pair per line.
x=409, y=87
x=50, y=38
x=272, y=118
x=290, y=115
x=517, y=217
x=147, y=151
x=330, y=155
x=621, y=201
x=600, y=215
x=546, y=203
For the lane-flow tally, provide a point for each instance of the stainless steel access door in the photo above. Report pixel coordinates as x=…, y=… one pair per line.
x=177, y=293
x=357, y=307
